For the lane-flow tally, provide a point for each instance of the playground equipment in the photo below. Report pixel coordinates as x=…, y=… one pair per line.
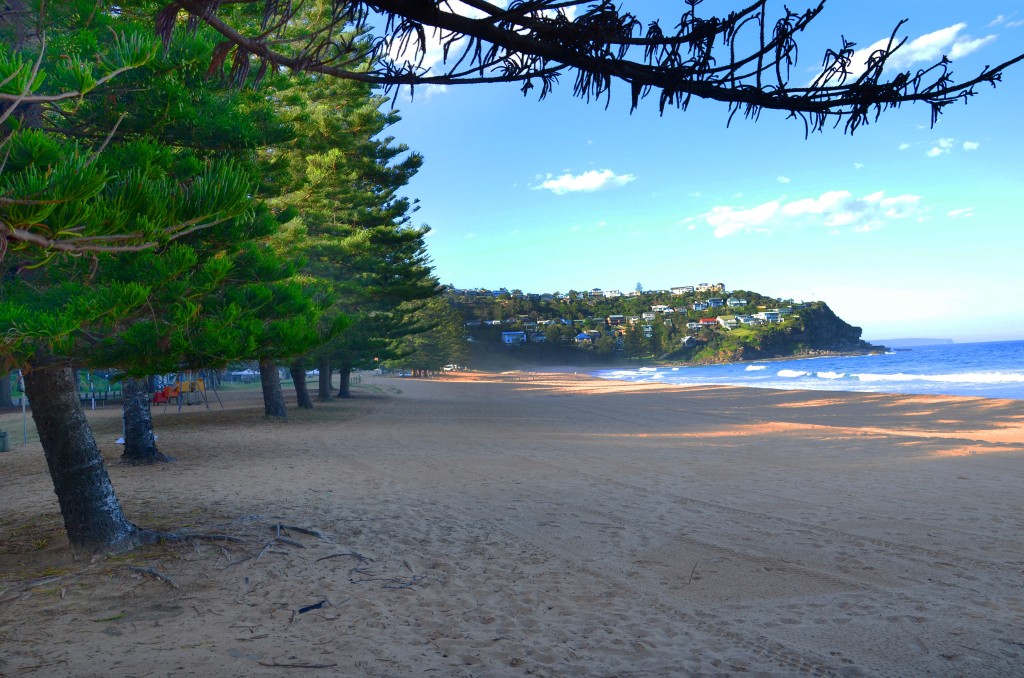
x=188, y=388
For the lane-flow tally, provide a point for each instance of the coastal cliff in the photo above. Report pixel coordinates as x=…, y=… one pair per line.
x=812, y=330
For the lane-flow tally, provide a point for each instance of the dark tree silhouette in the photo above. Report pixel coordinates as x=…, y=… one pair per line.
x=744, y=59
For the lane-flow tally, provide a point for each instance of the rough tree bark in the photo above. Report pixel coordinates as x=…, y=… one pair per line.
x=5, y=390
x=273, y=397
x=345, y=378
x=139, y=441
x=298, y=370
x=325, y=380
x=92, y=514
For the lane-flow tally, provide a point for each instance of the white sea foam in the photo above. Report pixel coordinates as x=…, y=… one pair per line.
x=831, y=375
x=755, y=368
x=959, y=378
x=792, y=374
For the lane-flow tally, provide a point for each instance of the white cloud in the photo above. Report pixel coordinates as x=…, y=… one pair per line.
x=827, y=201
x=964, y=47
x=783, y=180
x=1015, y=24
x=941, y=147
x=589, y=181
x=904, y=146
x=858, y=165
x=998, y=20
x=962, y=213
x=971, y=145
x=729, y=220
x=836, y=210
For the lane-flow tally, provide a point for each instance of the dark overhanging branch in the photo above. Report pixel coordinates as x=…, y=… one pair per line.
x=535, y=40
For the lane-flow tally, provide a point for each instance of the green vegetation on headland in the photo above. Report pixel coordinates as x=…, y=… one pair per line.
x=684, y=325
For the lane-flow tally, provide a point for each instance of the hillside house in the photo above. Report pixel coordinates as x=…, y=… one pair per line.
x=513, y=339
x=728, y=322
x=662, y=308
x=769, y=316
x=615, y=320
x=648, y=315
x=700, y=306
x=679, y=291
x=709, y=322
x=693, y=326
x=715, y=302
x=733, y=302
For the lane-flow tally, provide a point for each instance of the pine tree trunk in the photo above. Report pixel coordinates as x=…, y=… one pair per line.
x=298, y=370
x=5, y=390
x=92, y=514
x=344, y=377
x=325, y=380
x=273, y=397
x=139, y=441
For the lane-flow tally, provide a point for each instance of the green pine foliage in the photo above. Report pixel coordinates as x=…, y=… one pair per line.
x=336, y=189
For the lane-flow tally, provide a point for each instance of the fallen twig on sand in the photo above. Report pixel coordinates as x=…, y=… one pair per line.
x=297, y=665
x=393, y=582
x=149, y=571
x=351, y=554
x=212, y=537
x=265, y=549
x=300, y=530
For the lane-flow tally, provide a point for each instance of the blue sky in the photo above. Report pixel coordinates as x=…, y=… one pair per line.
x=904, y=229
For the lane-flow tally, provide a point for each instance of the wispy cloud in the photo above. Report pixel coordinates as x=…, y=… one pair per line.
x=962, y=213
x=832, y=209
x=783, y=180
x=930, y=47
x=588, y=182
x=941, y=147
x=971, y=145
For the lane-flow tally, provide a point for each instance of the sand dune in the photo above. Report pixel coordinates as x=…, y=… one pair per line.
x=544, y=525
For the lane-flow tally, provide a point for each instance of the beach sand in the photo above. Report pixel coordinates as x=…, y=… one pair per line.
x=543, y=525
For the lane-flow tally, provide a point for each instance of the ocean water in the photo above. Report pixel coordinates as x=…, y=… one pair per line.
x=986, y=370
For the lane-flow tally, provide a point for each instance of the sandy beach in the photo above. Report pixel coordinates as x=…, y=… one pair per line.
x=530, y=524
